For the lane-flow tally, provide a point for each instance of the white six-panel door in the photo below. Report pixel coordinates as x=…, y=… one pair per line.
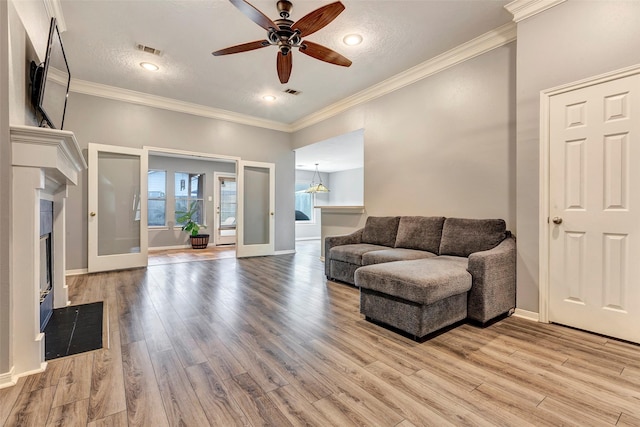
x=594, y=208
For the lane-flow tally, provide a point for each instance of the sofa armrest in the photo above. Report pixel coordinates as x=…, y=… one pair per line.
x=493, y=290
x=332, y=241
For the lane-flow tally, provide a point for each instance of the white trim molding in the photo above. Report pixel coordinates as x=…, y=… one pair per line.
x=54, y=10
x=482, y=44
x=139, y=98
x=285, y=252
x=76, y=272
x=525, y=314
x=523, y=9
x=7, y=379
x=544, y=191
x=478, y=46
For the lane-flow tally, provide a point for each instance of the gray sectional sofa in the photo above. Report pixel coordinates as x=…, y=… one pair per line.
x=420, y=274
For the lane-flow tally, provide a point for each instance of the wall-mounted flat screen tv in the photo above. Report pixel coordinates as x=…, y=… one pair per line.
x=53, y=84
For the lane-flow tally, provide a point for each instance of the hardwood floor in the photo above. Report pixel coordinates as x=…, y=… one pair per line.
x=268, y=341
x=174, y=256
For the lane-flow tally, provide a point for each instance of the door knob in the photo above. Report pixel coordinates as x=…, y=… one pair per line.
x=557, y=220
x=92, y=214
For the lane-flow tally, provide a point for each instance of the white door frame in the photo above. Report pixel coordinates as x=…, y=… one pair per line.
x=97, y=263
x=216, y=204
x=544, y=192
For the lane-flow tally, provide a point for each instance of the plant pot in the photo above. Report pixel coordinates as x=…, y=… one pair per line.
x=200, y=241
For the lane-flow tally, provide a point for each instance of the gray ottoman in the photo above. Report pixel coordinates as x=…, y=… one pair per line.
x=418, y=297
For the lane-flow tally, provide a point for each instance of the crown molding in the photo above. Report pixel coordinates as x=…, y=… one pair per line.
x=523, y=9
x=135, y=97
x=54, y=10
x=482, y=44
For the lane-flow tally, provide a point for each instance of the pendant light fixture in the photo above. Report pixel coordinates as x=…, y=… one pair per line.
x=316, y=188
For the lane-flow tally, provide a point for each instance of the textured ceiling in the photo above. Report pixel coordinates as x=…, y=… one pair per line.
x=101, y=37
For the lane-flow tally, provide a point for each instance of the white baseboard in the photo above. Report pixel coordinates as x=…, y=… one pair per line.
x=300, y=239
x=7, y=379
x=187, y=246
x=76, y=272
x=167, y=248
x=525, y=314
x=287, y=252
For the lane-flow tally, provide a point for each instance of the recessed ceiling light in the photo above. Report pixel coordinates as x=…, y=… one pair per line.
x=352, y=39
x=269, y=98
x=149, y=66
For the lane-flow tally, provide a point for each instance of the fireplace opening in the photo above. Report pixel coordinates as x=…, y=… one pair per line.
x=46, y=262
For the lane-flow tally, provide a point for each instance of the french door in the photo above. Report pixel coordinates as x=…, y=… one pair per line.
x=117, y=208
x=256, y=209
x=594, y=208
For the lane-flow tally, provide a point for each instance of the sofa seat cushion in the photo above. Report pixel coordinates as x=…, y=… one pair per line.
x=352, y=254
x=396, y=254
x=423, y=281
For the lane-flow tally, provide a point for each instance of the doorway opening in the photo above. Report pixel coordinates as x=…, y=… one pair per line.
x=340, y=165
x=177, y=181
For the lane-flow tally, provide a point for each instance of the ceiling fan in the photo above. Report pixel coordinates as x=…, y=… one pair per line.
x=287, y=34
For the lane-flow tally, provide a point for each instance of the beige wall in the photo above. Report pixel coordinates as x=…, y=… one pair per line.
x=442, y=146
x=104, y=121
x=6, y=361
x=569, y=42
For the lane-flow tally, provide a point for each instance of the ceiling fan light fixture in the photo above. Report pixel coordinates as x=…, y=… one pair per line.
x=352, y=39
x=287, y=34
x=149, y=66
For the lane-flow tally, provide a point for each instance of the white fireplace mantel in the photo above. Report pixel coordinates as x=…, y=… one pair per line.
x=45, y=163
x=55, y=151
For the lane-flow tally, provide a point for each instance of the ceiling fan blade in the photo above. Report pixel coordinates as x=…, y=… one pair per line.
x=245, y=47
x=325, y=54
x=318, y=19
x=254, y=14
x=285, y=63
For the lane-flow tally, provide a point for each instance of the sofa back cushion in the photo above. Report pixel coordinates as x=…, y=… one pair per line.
x=381, y=230
x=420, y=232
x=462, y=237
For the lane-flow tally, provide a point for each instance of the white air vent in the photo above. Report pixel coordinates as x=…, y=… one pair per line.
x=292, y=91
x=148, y=49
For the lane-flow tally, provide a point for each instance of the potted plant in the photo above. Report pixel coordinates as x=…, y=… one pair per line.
x=191, y=227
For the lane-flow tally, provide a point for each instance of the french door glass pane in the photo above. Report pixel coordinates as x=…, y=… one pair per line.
x=118, y=204
x=228, y=203
x=256, y=195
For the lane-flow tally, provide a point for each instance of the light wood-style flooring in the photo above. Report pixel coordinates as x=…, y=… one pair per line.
x=268, y=341
x=174, y=256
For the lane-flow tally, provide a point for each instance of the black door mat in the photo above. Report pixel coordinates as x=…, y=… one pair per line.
x=73, y=330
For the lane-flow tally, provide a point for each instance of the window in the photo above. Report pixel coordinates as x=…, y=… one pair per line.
x=189, y=188
x=304, y=203
x=157, y=201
